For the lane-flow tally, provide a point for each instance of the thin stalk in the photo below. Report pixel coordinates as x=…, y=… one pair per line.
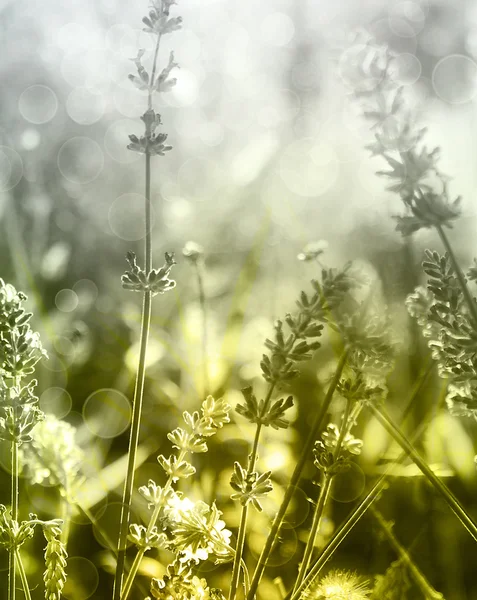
x=126, y=589
x=243, y=518
x=133, y=443
x=355, y=516
x=339, y=536
x=23, y=577
x=203, y=310
x=141, y=370
x=322, y=500
x=295, y=478
x=460, y=276
x=12, y=559
x=426, y=588
x=66, y=516
x=448, y=496
x=239, y=550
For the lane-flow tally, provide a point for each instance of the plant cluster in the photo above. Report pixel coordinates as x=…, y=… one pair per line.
x=179, y=528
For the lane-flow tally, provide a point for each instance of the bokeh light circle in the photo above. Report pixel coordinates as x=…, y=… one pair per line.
x=56, y=401
x=11, y=168
x=455, y=79
x=411, y=13
x=86, y=290
x=107, y=413
x=83, y=578
x=282, y=552
x=66, y=300
x=80, y=160
x=126, y=217
x=38, y=104
x=349, y=485
x=85, y=106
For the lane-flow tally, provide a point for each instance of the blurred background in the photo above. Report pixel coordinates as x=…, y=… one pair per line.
x=268, y=155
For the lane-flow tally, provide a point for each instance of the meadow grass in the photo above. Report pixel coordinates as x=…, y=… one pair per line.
x=184, y=532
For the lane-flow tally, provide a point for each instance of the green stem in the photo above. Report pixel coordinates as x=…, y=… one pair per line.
x=141, y=371
x=243, y=518
x=133, y=443
x=356, y=515
x=238, y=552
x=448, y=496
x=66, y=516
x=339, y=536
x=12, y=561
x=426, y=588
x=460, y=276
x=203, y=310
x=308, y=447
x=126, y=589
x=23, y=577
x=322, y=500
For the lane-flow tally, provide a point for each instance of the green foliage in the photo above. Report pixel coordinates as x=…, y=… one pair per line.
x=444, y=318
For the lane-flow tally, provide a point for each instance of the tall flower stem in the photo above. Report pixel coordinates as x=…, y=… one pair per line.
x=243, y=518
x=12, y=562
x=460, y=276
x=141, y=370
x=23, y=577
x=126, y=590
x=295, y=478
x=448, y=496
x=203, y=309
x=355, y=516
x=339, y=537
x=322, y=500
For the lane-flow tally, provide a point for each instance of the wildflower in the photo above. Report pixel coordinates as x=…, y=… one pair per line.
x=337, y=585
x=349, y=443
x=325, y=450
x=180, y=584
x=53, y=457
x=249, y=487
x=20, y=350
x=55, y=561
x=197, y=531
x=156, y=281
x=412, y=167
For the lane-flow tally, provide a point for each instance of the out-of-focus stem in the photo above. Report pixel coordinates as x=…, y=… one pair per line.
x=322, y=499
x=448, y=496
x=12, y=560
x=426, y=588
x=277, y=522
x=203, y=309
